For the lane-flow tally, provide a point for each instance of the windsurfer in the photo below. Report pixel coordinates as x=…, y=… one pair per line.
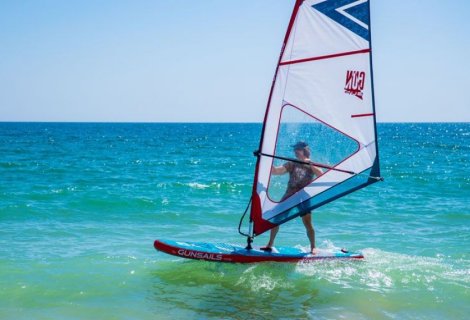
x=300, y=175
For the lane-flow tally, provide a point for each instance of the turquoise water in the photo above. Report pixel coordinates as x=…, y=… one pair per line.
x=80, y=206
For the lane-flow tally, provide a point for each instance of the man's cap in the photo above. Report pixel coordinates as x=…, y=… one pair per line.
x=299, y=145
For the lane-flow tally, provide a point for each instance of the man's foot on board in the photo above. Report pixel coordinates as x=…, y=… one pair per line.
x=267, y=249
x=314, y=251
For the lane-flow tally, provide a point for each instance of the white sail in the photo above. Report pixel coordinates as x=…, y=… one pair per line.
x=323, y=95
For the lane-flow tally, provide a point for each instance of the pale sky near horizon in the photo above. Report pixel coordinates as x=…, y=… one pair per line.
x=212, y=60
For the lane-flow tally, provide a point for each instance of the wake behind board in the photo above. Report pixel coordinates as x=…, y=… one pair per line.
x=224, y=252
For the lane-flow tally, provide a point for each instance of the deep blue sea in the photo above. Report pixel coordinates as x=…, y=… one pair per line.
x=82, y=203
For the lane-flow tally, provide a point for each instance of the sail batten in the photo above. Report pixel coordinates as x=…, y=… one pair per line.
x=322, y=95
x=329, y=56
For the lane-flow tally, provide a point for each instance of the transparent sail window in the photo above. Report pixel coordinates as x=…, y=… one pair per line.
x=326, y=146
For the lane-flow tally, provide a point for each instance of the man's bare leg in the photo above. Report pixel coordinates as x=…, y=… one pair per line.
x=307, y=220
x=272, y=236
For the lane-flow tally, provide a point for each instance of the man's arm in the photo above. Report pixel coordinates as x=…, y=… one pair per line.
x=278, y=170
x=317, y=171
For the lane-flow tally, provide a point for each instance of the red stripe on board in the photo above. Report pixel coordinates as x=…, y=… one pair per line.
x=362, y=115
x=325, y=57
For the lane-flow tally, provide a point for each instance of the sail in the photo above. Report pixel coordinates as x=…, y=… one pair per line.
x=322, y=95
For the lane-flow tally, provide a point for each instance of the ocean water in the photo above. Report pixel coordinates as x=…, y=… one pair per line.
x=81, y=204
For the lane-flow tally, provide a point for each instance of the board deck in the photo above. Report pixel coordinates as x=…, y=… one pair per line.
x=225, y=252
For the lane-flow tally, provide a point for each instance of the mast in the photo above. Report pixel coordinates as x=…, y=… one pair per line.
x=297, y=5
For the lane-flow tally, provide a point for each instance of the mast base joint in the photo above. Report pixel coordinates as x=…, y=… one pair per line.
x=249, y=241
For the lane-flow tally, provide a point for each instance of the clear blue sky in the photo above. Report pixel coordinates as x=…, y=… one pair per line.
x=211, y=60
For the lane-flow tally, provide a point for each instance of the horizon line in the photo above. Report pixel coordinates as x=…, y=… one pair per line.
x=206, y=122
